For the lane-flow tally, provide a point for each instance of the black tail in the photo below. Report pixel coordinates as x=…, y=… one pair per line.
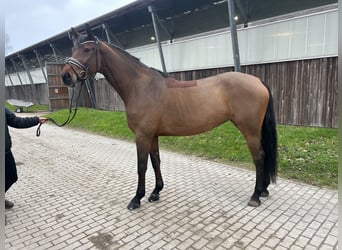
x=269, y=142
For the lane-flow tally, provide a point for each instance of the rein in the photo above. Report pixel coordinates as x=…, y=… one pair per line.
x=72, y=112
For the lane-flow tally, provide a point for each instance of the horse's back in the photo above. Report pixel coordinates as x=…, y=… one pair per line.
x=235, y=79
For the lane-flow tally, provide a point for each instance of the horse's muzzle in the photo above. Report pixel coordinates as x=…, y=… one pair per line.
x=67, y=79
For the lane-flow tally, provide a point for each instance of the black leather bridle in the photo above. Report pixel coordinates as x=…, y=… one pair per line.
x=84, y=74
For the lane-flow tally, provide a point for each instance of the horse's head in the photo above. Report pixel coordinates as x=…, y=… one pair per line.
x=83, y=62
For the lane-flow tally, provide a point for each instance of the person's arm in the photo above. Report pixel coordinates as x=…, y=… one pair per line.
x=21, y=122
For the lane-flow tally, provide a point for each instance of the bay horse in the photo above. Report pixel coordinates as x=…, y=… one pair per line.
x=158, y=105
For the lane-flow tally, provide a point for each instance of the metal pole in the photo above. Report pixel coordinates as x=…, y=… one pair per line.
x=23, y=61
x=9, y=76
x=107, y=34
x=53, y=51
x=110, y=37
x=30, y=78
x=71, y=39
x=90, y=93
x=18, y=75
x=13, y=87
x=233, y=32
x=156, y=31
x=40, y=64
x=163, y=26
x=16, y=70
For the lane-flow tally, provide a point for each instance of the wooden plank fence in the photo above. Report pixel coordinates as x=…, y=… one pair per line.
x=304, y=91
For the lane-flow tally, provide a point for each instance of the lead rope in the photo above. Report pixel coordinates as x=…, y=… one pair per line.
x=70, y=117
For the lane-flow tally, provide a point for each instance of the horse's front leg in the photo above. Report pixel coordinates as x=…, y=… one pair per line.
x=143, y=148
x=155, y=159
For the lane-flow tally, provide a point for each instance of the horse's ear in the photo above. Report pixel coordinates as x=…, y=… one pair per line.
x=74, y=34
x=89, y=32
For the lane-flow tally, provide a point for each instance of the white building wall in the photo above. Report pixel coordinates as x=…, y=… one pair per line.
x=303, y=37
x=36, y=74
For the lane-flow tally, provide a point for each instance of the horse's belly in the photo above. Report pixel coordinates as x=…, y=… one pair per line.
x=190, y=126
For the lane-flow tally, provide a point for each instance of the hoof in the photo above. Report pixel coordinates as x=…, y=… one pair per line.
x=264, y=194
x=133, y=205
x=254, y=203
x=153, y=197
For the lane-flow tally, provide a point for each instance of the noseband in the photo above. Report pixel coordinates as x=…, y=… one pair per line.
x=83, y=74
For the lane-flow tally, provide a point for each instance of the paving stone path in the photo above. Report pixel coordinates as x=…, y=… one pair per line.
x=74, y=187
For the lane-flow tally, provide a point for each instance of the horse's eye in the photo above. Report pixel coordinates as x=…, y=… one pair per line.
x=86, y=50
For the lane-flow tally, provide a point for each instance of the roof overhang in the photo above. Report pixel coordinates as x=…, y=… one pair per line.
x=132, y=24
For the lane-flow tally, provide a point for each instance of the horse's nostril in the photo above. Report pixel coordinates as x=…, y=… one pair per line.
x=66, y=78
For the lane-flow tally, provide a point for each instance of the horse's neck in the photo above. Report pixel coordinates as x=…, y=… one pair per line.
x=121, y=72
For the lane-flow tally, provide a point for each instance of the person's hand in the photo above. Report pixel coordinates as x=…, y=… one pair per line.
x=42, y=120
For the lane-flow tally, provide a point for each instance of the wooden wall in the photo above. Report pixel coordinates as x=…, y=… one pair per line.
x=106, y=97
x=37, y=93
x=304, y=91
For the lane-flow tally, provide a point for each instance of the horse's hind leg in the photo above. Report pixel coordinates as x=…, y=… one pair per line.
x=155, y=159
x=258, y=158
x=267, y=182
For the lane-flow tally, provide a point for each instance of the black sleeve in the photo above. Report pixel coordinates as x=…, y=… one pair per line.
x=20, y=122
